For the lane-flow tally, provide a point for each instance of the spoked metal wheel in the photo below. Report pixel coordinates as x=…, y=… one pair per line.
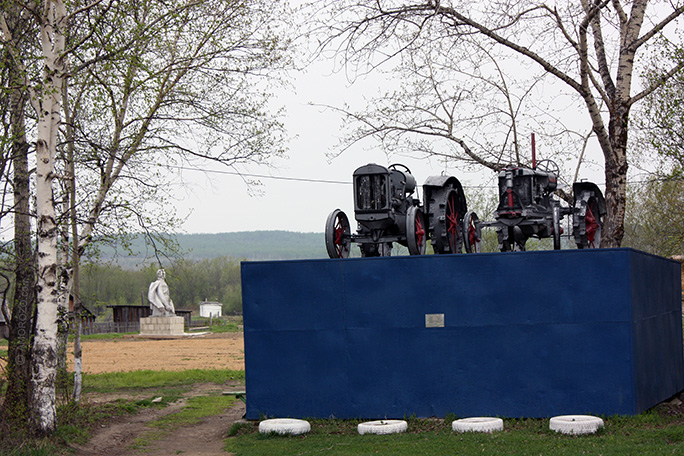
x=448, y=234
x=556, y=228
x=416, y=238
x=472, y=235
x=337, y=235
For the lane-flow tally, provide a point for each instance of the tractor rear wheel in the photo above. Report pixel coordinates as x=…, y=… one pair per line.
x=447, y=234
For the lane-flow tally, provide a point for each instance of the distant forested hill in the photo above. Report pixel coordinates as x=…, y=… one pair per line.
x=250, y=245
x=254, y=245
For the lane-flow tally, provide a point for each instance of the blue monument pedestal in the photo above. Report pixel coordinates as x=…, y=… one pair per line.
x=524, y=334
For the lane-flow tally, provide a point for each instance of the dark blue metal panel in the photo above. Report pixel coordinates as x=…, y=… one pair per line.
x=525, y=334
x=657, y=330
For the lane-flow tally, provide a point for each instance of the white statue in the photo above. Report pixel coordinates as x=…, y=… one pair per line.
x=158, y=295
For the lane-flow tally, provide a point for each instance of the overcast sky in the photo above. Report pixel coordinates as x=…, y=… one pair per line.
x=296, y=199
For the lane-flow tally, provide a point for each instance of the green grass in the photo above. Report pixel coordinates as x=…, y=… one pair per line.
x=651, y=433
x=198, y=407
x=221, y=324
x=224, y=328
x=41, y=448
x=156, y=379
x=104, y=336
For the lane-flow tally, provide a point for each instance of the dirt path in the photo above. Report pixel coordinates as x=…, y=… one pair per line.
x=115, y=438
x=202, y=439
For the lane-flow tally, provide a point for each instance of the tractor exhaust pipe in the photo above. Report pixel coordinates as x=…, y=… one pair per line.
x=534, y=153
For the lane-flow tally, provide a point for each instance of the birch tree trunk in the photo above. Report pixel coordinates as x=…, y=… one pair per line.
x=44, y=354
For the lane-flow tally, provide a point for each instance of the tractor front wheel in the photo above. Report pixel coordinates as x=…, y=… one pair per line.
x=472, y=235
x=337, y=235
x=416, y=236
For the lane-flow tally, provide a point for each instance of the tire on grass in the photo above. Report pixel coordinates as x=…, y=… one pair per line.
x=478, y=424
x=284, y=426
x=382, y=427
x=575, y=424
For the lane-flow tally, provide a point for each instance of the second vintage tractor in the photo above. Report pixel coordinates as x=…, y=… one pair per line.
x=528, y=209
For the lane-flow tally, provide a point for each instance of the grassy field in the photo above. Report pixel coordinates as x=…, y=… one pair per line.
x=657, y=432
x=144, y=379
x=652, y=433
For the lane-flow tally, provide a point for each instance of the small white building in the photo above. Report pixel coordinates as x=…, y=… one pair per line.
x=210, y=309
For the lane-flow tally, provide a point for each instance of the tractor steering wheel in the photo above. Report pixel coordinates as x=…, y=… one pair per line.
x=548, y=166
x=394, y=166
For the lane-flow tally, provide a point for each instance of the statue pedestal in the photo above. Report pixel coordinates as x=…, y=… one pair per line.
x=161, y=326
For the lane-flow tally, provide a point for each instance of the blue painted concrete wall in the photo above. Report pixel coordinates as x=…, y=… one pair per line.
x=526, y=334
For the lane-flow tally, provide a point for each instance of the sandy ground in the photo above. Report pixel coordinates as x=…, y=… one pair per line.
x=211, y=351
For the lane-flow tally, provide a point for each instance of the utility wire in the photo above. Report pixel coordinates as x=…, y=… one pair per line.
x=259, y=176
x=325, y=181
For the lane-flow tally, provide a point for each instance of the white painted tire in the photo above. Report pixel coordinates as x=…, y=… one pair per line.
x=478, y=424
x=382, y=427
x=575, y=424
x=284, y=426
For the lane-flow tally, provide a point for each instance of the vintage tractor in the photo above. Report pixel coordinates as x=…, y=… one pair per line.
x=387, y=212
x=528, y=208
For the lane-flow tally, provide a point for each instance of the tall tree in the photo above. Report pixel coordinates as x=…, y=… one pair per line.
x=52, y=19
x=590, y=48
x=189, y=87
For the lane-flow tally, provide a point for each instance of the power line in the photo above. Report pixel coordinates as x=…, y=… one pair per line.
x=336, y=182
x=261, y=176
x=287, y=178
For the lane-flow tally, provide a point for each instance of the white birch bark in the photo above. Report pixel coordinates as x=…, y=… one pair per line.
x=44, y=356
